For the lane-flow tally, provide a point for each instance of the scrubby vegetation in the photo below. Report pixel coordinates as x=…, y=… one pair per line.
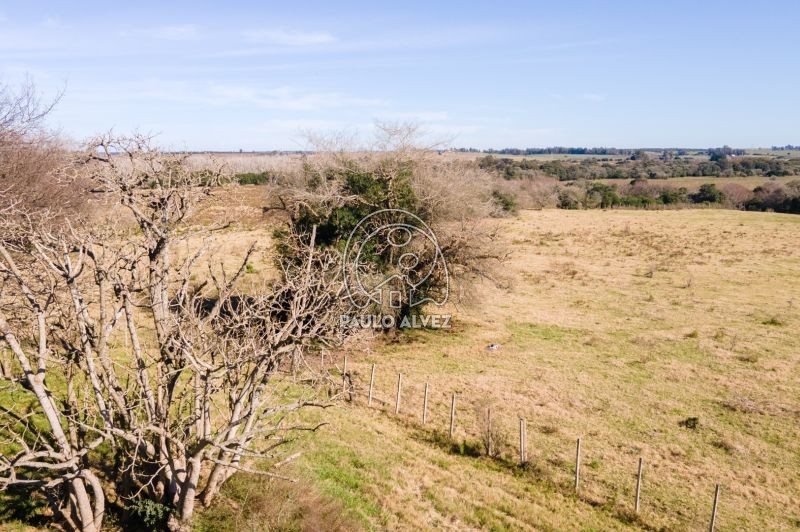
x=718, y=163
x=254, y=178
x=591, y=183
x=405, y=188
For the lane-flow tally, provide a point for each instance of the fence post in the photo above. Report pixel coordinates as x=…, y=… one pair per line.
x=714, y=510
x=452, y=415
x=522, y=429
x=489, y=431
x=397, y=399
x=344, y=375
x=425, y=406
x=638, y=485
x=371, y=383
x=578, y=464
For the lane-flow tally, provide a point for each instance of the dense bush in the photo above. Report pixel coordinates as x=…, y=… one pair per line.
x=337, y=190
x=776, y=197
x=708, y=193
x=506, y=200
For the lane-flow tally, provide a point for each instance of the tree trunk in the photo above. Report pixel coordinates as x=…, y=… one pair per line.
x=83, y=506
x=189, y=491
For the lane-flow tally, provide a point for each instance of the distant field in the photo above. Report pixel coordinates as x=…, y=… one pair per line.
x=541, y=157
x=778, y=153
x=617, y=327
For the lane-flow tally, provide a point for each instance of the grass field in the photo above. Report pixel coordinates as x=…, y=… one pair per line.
x=617, y=327
x=774, y=153
x=536, y=157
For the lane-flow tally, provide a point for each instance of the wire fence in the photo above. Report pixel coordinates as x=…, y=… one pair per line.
x=475, y=430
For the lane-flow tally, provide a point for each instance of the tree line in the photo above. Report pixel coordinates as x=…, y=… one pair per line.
x=641, y=166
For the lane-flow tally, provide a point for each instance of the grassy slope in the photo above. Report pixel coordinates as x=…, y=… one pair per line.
x=617, y=326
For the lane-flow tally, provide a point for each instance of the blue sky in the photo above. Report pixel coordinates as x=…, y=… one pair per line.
x=257, y=75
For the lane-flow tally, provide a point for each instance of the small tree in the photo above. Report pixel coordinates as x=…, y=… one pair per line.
x=708, y=193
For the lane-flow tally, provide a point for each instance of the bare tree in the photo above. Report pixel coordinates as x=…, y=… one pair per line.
x=22, y=112
x=33, y=160
x=121, y=343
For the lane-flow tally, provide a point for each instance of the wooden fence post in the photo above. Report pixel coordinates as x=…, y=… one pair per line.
x=371, y=383
x=522, y=428
x=425, y=406
x=397, y=399
x=578, y=464
x=714, y=510
x=638, y=485
x=452, y=415
x=344, y=375
x=489, y=431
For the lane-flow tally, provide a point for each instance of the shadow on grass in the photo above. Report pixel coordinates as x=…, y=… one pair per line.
x=23, y=506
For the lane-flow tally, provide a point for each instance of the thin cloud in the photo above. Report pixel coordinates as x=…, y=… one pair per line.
x=273, y=42
x=176, y=32
x=570, y=45
x=282, y=37
x=592, y=97
x=418, y=116
x=280, y=98
x=287, y=98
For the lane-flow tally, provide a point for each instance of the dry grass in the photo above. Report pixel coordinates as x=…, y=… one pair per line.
x=246, y=162
x=620, y=326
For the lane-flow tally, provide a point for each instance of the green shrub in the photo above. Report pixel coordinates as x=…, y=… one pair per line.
x=605, y=195
x=708, y=193
x=506, y=200
x=672, y=197
x=152, y=514
x=253, y=178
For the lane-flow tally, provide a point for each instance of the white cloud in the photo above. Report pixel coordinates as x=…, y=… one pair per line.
x=173, y=32
x=414, y=116
x=280, y=98
x=591, y=97
x=288, y=38
x=286, y=98
x=177, y=32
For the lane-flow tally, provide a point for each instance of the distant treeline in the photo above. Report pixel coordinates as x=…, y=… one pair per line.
x=770, y=196
x=627, y=152
x=644, y=193
x=788, y=147
x=554, y=150
x=641, y=166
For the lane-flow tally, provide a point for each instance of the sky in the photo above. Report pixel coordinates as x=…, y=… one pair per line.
x=261, y=75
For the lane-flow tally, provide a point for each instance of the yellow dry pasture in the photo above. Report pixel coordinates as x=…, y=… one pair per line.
x=618, y=327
